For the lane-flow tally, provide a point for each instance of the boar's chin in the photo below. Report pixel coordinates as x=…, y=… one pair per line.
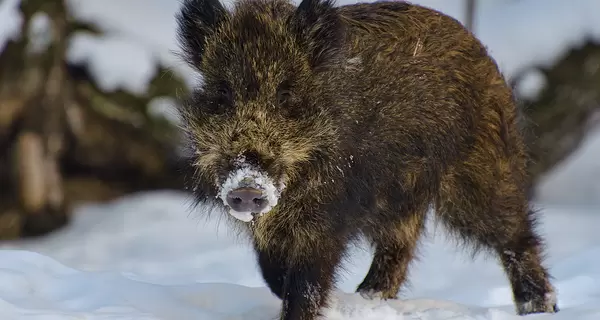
x=248, y=193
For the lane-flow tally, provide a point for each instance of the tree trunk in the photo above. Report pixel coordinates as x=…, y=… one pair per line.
x=470, y=9
x=62, y=140
x=565, y=110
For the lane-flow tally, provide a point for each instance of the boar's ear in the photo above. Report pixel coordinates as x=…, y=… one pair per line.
x=320, y=30
x=195, y=21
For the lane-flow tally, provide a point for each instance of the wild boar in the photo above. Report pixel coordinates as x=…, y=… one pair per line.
x=317, y=124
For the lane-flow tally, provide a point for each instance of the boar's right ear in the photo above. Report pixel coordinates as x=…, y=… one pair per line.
x=195, y=21
x=320, y=30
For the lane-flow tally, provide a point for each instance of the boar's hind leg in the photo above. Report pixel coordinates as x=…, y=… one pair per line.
x=395, y=247
x=498, y=218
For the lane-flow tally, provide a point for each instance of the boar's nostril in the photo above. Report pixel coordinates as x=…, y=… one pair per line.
x=246, y=200
x=260, y=203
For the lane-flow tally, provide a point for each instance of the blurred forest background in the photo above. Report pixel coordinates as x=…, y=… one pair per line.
x=67, y=137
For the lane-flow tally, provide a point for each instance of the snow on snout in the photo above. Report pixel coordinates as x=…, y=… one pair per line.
x=247, y=176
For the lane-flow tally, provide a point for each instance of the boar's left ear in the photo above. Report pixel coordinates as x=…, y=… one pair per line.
x=320, y=30
x=195, y=21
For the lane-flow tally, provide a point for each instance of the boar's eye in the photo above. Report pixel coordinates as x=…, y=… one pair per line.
x=224, y=91
x=224, y=94
x=283, y=96
x=284, y=93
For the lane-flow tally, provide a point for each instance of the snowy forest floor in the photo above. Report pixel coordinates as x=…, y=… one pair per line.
x=148, y=256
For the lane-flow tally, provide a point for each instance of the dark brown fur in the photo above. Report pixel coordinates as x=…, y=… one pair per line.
x=393, y=107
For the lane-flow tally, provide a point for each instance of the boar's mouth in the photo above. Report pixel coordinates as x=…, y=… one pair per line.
x=248, y=193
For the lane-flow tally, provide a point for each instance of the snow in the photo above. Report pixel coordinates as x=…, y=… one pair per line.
x=40, y=32
x=145, y=25
x=10, y=21
x=119, y=62
x=519, y=34
x=551, y=188
x=531, y=85
x=150, y=256
x=139, y=34
x=163, y=107
x=530, y=26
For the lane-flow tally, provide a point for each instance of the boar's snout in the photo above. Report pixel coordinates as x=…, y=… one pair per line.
x=247, y=189
x=247, y=200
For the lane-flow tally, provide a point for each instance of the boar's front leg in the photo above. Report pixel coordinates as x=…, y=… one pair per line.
x=274, y=271
x=308, y=283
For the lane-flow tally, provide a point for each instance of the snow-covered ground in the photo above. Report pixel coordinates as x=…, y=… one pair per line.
x=149, y=256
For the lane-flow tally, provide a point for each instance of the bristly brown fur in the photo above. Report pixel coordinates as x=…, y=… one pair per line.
x=369, y=113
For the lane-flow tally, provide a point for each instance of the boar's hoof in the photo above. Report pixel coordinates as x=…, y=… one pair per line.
x=545, y=304
x=370, y=294
x=246, y=200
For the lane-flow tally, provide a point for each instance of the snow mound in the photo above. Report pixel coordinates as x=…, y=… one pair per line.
x=35, y=286
x=146, y=257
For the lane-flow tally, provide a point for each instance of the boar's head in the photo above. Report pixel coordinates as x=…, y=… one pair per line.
x=263, y=115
